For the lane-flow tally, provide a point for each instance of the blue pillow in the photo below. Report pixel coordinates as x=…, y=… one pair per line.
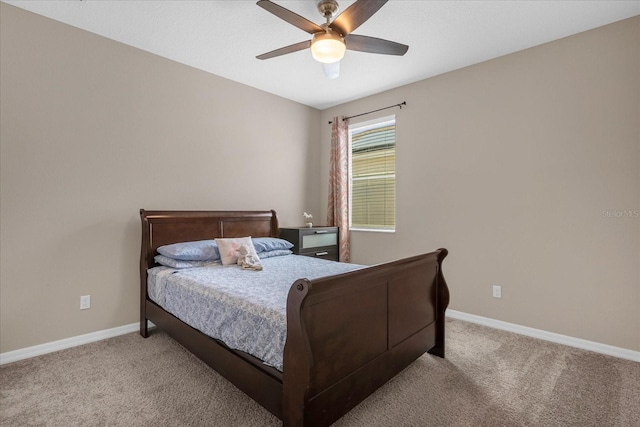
x=276, y=252
x=200, y=250
x=266, y=244
x=177, y=263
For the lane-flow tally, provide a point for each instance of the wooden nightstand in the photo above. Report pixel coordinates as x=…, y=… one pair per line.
x=318, y=242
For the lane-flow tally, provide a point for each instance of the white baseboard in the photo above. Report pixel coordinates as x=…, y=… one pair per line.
x=37, y=350
x=622, y=353
x=609, y=350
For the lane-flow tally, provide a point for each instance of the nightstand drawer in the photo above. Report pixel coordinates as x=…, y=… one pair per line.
x=331, y=254
x=318, y=239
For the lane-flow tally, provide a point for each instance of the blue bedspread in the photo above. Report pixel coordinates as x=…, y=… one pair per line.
x=245, y=309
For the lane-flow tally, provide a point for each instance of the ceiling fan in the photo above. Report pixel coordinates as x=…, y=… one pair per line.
x=331, y=39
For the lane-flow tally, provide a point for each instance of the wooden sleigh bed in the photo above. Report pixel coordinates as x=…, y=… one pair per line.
x=347, y=335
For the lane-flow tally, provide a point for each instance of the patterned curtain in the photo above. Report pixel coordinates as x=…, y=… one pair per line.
x=338, y=207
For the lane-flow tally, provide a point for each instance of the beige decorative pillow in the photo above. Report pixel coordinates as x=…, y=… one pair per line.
x=229, y=249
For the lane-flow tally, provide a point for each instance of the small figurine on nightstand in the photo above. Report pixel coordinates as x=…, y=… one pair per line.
x=308, y=217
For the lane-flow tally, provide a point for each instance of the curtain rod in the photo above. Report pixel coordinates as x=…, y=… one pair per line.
x=375, y=111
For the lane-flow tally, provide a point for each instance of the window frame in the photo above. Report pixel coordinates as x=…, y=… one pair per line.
x=363, y=126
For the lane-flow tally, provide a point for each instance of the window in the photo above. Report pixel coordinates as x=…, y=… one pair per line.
x=372, y=174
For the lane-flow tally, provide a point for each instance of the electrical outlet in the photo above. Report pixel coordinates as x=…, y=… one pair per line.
x=497, y=291
x=85, y=302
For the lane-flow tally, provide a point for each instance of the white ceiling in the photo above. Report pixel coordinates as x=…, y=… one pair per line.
x=223, y=37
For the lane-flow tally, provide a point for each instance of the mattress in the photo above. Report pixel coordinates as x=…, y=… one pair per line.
x=245, y=309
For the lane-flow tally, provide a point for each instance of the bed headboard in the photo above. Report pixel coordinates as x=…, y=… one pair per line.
x=166, y=227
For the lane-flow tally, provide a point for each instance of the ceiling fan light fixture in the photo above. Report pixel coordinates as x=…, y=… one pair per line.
x=327, y=47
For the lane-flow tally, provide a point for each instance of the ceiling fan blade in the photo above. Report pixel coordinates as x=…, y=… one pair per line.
x=355, y=15
x=284, y=50
x=332, y=71
x=374, y=45
x=292, y=18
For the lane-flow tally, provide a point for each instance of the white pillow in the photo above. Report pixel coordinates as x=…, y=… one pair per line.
x=229, y=249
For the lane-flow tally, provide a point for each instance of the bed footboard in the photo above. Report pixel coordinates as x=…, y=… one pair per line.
x=349, y=334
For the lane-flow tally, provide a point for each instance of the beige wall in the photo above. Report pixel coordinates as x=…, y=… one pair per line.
x=92, y=131
x=512, y=164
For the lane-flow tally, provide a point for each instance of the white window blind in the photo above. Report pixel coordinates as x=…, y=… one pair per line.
x=373, y=175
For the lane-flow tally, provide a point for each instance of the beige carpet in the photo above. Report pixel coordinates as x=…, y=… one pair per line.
x=490, y=378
